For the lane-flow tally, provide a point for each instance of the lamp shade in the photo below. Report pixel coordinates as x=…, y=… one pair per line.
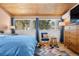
x=61, y=24
x=12, y=27
x=66, y=21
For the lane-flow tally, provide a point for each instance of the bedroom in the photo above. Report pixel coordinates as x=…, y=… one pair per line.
x=22, y=24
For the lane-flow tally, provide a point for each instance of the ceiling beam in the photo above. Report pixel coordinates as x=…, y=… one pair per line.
x=37, y=15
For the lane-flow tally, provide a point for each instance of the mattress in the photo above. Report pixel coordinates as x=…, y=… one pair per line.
x=17, y=45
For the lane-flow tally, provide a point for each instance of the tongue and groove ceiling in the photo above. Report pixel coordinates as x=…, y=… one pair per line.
x=34, y=9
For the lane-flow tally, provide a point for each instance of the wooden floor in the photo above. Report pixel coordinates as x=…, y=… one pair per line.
x=64, y=48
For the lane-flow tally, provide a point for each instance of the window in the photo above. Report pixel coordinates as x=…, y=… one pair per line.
x=22, y=24
x=30, y=24
x=25, y=27
x=48, y=24
x=44, y=24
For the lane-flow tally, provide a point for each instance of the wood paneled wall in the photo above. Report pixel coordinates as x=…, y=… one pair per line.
x=71, y=37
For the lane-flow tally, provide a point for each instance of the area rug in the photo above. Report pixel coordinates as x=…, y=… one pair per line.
x=47, y=51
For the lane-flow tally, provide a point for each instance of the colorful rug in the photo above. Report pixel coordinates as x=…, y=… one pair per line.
x=47, y=51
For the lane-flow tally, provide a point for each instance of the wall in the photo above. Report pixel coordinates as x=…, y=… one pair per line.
x=4, y=20
x=66, y=16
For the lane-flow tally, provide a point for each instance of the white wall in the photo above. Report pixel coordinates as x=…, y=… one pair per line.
x=4, y=20
x=66, y=16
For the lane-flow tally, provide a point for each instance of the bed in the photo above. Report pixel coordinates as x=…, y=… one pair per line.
x=17, y=45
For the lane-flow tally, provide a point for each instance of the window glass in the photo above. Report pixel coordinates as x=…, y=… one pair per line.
x=47, y=24
x=31, y=24
x=22, y=24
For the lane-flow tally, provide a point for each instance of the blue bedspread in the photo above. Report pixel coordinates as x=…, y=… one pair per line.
x=17, y=45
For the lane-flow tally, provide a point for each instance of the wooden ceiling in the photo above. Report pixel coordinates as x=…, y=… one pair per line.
x=33, y=9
